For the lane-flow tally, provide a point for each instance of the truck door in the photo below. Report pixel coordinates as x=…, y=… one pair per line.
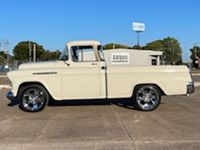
x=84, y=77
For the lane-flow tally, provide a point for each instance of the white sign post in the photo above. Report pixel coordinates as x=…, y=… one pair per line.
x=138, y=27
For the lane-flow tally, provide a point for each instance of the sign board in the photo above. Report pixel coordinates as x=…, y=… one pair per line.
x=120, y=58
x=138, y=27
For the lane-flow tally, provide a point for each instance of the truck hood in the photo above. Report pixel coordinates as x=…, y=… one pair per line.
x=35, y=65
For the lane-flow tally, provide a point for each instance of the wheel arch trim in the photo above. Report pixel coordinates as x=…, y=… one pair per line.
x=144, y=84
x=32, y=83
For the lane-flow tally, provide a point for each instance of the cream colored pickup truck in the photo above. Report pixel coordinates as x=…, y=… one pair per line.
x=77, y=75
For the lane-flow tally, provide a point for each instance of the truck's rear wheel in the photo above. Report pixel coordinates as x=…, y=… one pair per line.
x=146, y=97
x=33, y=98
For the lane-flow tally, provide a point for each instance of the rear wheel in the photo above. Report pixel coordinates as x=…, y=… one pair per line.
x=33, y=98
x=146, y=97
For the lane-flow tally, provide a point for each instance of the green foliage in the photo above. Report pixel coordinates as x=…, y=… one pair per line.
x=21, y=52
x=138, y=47
x=194, y=54
x=3, y=56
x=155, y=45
x=113, y=45
x=52, y=55
x=171, y=49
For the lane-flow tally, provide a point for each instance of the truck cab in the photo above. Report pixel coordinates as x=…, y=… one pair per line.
x=85, y=67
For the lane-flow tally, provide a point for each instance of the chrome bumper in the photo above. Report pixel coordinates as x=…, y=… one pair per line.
x=10, y=95
x=190, y=88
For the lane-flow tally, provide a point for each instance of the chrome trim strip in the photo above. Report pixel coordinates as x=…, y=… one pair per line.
x=42, y=73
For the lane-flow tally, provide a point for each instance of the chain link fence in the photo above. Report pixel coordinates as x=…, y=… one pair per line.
x=11, y=65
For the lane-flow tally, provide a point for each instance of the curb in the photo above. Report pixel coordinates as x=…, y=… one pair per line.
x=195, y=74
x=197, y=84
x=5, y=87
x=3, y=76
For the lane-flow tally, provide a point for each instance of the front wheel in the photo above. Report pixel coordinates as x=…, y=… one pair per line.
x=33, y=98
x=146, y=97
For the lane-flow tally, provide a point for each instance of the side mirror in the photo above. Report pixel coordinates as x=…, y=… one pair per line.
x=66, y=57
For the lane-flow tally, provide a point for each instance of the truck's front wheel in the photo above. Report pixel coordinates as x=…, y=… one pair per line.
x=146, y=97
x=33, y=98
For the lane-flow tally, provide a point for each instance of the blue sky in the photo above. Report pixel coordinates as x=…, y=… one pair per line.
x=52, y=23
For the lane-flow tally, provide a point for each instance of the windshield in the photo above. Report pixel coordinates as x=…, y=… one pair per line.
x=64, y=55
x=100, y=51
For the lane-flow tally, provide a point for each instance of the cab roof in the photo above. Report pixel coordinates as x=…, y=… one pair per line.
x=83, y=43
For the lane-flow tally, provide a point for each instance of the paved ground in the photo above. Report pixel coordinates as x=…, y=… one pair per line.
x=196, y=78
x=102, y=124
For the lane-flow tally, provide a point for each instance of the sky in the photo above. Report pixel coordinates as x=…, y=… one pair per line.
x=52, y=23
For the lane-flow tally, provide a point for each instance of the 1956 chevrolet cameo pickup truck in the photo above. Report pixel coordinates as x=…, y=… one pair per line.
x=77, y=75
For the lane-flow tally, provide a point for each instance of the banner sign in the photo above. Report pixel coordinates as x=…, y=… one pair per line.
x=138, y=27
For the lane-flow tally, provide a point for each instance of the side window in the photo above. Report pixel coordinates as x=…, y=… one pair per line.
x=83, y=54
x=100, y=51
x=153, y=62
x=64, y=55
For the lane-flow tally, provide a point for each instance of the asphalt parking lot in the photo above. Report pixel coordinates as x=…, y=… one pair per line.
x=102, y=124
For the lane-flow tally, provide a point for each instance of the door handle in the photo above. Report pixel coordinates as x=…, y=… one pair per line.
x=94, y=64
x=103, y=67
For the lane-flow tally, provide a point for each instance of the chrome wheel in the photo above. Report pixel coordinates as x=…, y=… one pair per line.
x=147, y=97
x=33, y=98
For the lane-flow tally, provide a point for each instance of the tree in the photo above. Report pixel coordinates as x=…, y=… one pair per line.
x=3, y=56
x=113, y=45
x=171, y=49
x=195, y=52
x=55, y=55
x=21, y=51
x=155, y=45
x=138, y=47
x=195, y=56
x=52, y=55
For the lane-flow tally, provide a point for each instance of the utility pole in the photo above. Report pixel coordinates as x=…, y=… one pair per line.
x=29, y=45
x=34, y=52
x=195, y=51
x=7, y=51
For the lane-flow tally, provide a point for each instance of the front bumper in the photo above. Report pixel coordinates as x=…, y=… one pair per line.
x=10, y=95
x=190, y=88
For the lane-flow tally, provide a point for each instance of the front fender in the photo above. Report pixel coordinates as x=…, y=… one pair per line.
x=51, y=82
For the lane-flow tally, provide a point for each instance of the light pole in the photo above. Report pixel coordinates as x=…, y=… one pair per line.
x=138, y=27
x=138, y=38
